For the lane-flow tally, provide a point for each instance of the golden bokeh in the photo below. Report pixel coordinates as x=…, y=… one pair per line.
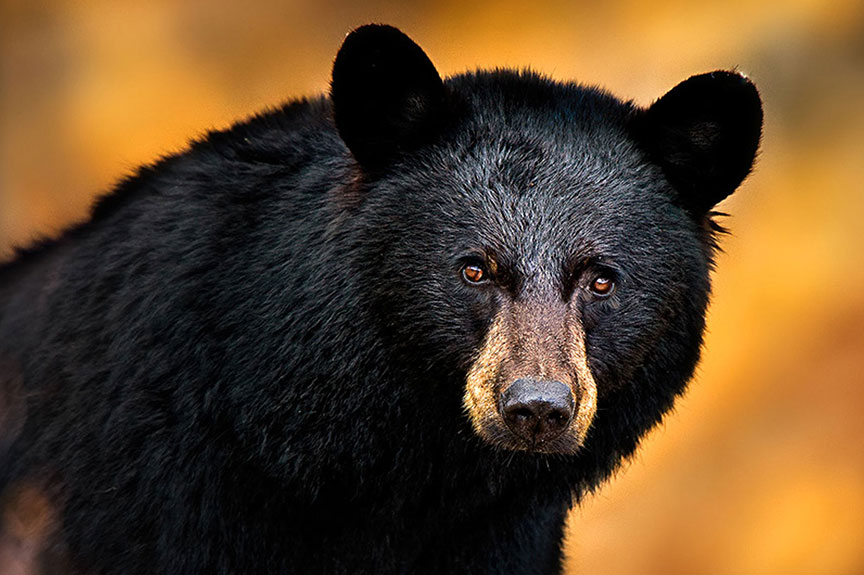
x=760, y=469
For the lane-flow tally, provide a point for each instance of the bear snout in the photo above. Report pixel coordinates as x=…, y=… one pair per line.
x=537, y=411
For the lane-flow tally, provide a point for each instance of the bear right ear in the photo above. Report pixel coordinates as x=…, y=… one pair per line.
x=704, y=133
x=387, y=96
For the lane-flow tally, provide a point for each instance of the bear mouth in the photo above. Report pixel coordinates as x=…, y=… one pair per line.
x=494, y=432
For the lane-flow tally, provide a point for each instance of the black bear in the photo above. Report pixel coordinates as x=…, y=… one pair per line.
x=397, y=329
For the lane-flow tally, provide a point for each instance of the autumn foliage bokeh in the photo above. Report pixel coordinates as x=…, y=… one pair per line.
x=760, y=469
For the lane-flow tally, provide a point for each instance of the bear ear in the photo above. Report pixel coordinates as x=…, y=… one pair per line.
x=387, y=96
x=704, y=133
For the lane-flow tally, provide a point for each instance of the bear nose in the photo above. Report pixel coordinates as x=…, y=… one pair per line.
x=537, y=411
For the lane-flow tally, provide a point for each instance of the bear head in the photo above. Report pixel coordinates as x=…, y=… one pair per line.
x=544, y=246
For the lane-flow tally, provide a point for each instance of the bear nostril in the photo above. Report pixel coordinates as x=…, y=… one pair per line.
x=522, y=413
x=555, y=417
x=537, y=411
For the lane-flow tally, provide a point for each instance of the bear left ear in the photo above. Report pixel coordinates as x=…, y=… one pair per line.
x=704, y=133
x=387, y=96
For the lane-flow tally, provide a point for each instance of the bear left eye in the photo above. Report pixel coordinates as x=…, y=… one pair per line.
x=602, y=286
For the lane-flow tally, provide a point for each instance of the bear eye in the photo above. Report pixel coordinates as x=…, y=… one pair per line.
x=602, y=286
x=474, y=274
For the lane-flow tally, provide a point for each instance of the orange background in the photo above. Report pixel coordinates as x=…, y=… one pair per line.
x=761, y=467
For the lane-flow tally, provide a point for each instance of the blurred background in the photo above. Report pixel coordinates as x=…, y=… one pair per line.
x=761, y=467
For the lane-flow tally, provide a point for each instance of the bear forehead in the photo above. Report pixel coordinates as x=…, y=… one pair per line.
x=508, y=192
x=531, y=147
x=527, y=97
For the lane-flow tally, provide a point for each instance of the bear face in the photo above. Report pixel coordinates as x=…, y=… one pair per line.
x=555, y=241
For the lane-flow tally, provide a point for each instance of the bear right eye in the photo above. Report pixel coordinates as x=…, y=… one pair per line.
x=474, y=274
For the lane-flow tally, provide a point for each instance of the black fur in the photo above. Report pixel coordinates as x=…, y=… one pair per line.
x=252, y=358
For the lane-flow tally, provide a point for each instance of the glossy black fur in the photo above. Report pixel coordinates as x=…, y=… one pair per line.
x=252, y=358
